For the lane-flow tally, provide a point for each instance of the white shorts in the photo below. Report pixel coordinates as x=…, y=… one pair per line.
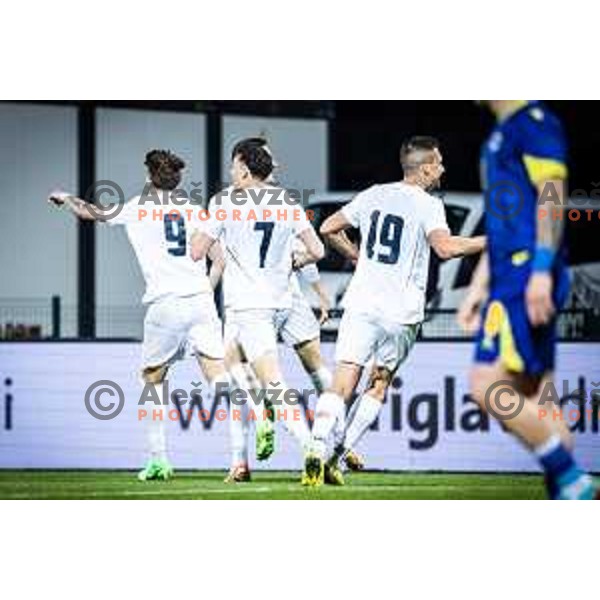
x=301, y=324
x=173, y=324
x=255, y=330
x=362, y=337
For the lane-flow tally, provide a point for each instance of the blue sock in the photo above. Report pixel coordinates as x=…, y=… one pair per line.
x=558, y=464
x=551, y=487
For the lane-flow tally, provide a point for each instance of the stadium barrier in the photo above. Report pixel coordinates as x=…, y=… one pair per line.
x=429, y=421
x=40, y=319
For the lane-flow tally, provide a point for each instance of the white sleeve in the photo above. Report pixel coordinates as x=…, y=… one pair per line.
x=435, y=216
x=310, y=273
x=128, y=215
x=352, y=211
x=213, y=226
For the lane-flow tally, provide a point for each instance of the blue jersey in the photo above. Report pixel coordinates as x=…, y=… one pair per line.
x=526, y=148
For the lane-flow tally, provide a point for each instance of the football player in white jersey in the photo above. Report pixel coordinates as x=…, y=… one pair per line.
x=181, y=311
x=385, y=302
x=257, y=239
x=300, y=330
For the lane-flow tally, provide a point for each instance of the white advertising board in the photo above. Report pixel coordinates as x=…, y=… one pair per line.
x=428, y=422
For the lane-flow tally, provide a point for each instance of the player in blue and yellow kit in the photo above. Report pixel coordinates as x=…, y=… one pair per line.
x=521, y=283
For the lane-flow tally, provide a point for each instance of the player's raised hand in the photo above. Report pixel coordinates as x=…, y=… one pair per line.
x=538, y=298
x=58, y=198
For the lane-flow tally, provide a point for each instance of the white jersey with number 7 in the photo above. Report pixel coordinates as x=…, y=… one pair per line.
x=258, y=249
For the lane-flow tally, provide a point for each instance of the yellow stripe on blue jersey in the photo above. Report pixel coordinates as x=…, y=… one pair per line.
x=543, y=169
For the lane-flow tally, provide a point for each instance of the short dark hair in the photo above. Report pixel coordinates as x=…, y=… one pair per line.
x=258, y=142
x=417, y=143
x=254, y=154
x=164, y=168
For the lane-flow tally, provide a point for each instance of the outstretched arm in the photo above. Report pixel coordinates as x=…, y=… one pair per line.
x=333, y=230
x=314, y=249
x=80, y=208
x=448, y=246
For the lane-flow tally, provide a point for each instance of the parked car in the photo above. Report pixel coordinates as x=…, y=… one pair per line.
x=449, y=279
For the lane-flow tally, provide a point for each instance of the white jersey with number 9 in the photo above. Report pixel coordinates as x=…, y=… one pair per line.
x=160, y=240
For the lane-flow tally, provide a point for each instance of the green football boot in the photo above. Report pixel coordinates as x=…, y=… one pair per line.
x=265, y=440
x=156, y=469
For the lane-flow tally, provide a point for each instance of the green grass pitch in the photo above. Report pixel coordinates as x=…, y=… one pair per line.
x=266, y=485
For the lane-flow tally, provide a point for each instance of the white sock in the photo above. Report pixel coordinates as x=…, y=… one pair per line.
x=155, y=426
x=244, y=380
x=289, y=411
x=339, y=430
x=330, y=410
x=238, y=433
x=295, y=426
x=366, y=412
x=322, y=379
x=238, y=417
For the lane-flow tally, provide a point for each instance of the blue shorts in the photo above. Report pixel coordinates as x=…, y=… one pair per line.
x=506, y=333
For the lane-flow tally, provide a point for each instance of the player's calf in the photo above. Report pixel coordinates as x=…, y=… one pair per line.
x=564, y=478
x=366, y=413
x=158, y=466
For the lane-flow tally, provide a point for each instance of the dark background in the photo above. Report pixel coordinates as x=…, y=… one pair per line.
x=364, y=142
x=366, y=135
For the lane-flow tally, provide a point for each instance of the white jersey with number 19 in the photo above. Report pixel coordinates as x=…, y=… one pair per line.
x=391, y=275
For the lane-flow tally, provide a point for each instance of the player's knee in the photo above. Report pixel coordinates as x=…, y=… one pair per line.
x=342, y=388
x=528, y=384
x=379, y=380
x=345, y=379
x=154, y=374
x=234, y=355
x=309, y=354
